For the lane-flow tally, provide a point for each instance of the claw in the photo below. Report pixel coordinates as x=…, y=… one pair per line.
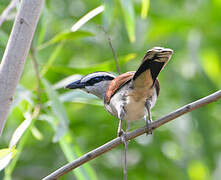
x=122, y=135
x=120, y=132
x=123, y=138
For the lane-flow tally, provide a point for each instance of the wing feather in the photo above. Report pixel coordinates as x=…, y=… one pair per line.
x=117, y=83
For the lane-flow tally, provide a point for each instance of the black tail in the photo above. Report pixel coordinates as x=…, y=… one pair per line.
x=153, y=62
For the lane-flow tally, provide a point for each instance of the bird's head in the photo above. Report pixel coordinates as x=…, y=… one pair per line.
x=95, y=83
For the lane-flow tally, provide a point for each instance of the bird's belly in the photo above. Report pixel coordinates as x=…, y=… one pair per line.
x=134, y=110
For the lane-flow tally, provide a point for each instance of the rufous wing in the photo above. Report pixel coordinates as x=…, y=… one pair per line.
x=117, y=83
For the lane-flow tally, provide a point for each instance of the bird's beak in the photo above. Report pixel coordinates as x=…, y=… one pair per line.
x=76, y=85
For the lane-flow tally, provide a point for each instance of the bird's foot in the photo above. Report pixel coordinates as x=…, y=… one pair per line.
x=122, y=135
x=120, y=132
x=148, y=122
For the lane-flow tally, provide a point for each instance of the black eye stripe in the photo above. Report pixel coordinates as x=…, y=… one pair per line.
x=108, y=78
x=98, y=79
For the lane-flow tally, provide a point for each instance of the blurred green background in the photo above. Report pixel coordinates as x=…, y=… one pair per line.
x=71, y=123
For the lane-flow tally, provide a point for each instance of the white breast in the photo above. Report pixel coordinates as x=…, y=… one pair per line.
x=134, y=110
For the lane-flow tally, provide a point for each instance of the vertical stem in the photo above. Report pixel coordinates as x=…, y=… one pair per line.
x=112, y=49
x=16, y=52
x=37, y=74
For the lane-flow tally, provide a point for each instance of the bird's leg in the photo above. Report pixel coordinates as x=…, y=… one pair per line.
x=126, y=149
x=127, y=126
x=149, y=119
x=122, y=134
x=121, y=114
x=120, y=131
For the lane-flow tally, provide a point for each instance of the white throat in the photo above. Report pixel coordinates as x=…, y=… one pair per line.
x=98, y=89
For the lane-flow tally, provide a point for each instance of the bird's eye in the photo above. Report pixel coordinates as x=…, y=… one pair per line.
x=97, y=79
x=94, y=81
x=108, y=78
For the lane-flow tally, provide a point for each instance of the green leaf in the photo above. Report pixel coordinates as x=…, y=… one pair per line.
x=198, y=170
x=22, y=94
x=68, y=35
x=145, y=8
x=4, y=38
x=72, y=151
x=107, y=15
x=58, y=110
x=52, y=58
x=212, y=66
x=106, y=66
x=21, y=134
x=4, y=152
x=80, y=97
x=43, y=25
x=20, y=130
x=87, y=17
x=36, y=133
x=129, y=18
x=62, y=83
x=6, y=155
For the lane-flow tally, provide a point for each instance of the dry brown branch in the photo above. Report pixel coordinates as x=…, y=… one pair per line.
x=131, y=135
x=16, y=52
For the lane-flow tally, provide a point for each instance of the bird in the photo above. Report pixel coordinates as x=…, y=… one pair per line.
x=131, y=95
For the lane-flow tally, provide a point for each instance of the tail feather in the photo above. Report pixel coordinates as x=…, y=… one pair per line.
x=152, y=64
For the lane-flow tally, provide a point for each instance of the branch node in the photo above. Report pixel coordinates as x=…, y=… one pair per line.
x=188, y=107
x=89, y=156
x=21, y=21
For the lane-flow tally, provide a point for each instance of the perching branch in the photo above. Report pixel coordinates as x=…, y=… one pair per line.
x=16, y=52
x=131, y=135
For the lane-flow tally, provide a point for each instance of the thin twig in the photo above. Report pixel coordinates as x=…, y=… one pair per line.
x=131, y=135
x=7, y=11
x=37, y=74
x=112, y=49
x=38, y=106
